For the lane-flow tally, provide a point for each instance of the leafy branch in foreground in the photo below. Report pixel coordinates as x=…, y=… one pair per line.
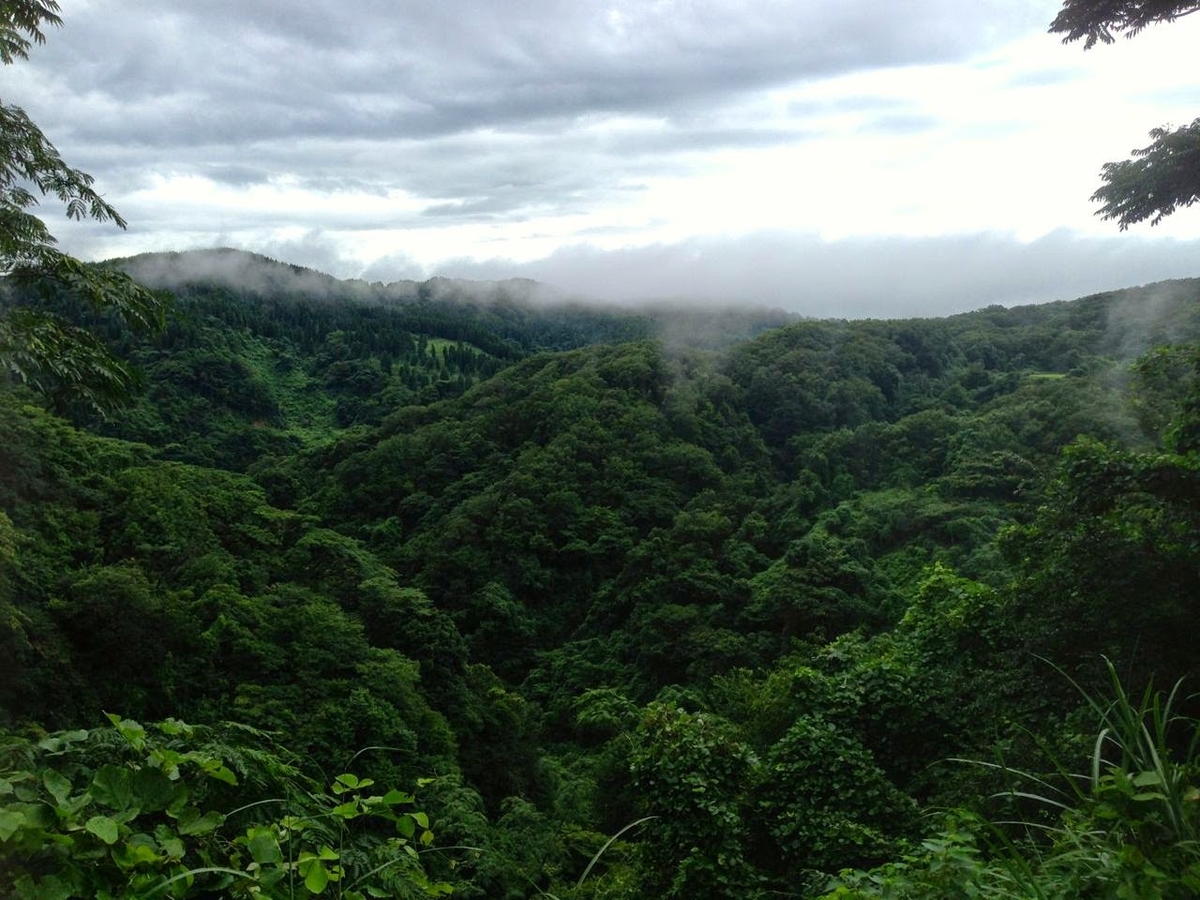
x=1164, y=176
x=1100, y=20
x=1158, y=180
x=173, y=810
x=21, y=26
x=36, y=347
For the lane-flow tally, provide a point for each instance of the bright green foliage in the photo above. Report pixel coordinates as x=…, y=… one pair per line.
x=827, y=804
x=170, y=810
x=691, y=771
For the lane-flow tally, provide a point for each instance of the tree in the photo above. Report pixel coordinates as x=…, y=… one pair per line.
x=1164, y=176
x=38, y=347
x=1098, y=20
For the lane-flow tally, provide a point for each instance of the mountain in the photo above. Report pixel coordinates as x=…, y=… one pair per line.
x=255, y=275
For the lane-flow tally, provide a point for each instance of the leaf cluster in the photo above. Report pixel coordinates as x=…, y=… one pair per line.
x=1158, y=180
x=21, y=23
x=144, y=820
x=1101, y=20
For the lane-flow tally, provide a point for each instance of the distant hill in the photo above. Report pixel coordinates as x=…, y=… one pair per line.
x=252, y=275
x=255, y=274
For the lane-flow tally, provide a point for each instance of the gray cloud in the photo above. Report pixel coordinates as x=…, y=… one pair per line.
x=878, y=277
x=190, y=78
x=852, y=278
x=487, y=112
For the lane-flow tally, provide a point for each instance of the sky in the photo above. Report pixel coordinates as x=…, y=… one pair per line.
x=842, y=158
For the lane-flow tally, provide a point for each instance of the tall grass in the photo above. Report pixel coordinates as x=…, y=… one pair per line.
x=1126, y=827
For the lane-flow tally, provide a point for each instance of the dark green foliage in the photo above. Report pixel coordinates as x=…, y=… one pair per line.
x=698, y=618
x=1116, y=549
x=757, y=593
x=1122, y=823
x=1102, y=20
x=1160, y=178
x=827, y=803
x=38, y=347
x=691, y=772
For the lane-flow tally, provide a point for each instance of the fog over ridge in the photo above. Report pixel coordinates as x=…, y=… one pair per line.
x=915, y=278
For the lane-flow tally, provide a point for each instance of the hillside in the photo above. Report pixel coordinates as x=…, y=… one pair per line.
x=758, y=577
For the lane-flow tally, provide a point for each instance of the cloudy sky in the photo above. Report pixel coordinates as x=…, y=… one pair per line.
x=845, y=157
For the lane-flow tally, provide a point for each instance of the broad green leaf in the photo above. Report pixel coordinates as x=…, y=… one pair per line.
x=173, y=727
x=132, y=731
x=104, y=828
x=346, y=811
x=263, y=845
x=168, y=761
x=172, y=847
x=396, y=798
x=317, y=878
x=137, y=850
x=215, y=768
x=270, y=877
x=58, y=786
x=49, y=888
x=192, y=822
x=10, y=821
x=112, y=787
x=422, y=819
x=55, y=742
x=152, y=789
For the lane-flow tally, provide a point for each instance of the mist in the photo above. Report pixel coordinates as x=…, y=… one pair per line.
x=857, y=277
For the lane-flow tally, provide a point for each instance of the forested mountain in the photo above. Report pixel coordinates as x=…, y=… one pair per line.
x=749, y=581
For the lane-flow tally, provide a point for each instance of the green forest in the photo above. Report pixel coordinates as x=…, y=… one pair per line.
x=436, y=589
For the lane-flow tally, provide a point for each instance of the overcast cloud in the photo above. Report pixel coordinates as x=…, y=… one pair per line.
x=843, y=158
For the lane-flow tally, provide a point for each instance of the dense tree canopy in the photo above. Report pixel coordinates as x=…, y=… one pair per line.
x=771, y=586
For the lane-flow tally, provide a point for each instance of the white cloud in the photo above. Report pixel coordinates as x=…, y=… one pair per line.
x=369, y=136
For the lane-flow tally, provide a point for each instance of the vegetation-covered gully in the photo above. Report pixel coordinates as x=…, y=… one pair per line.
x=362, y=597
